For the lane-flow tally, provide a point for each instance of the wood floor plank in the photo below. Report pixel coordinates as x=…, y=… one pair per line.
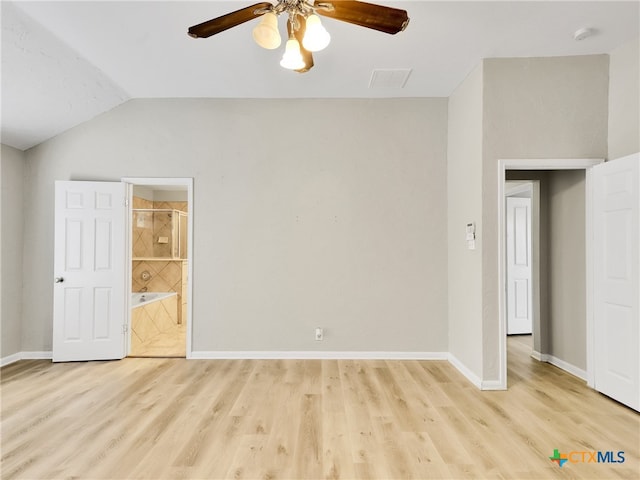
x=160, y=419
x=423, y=456
x=393, y=454
x=337, y=460
x=359, y=425
x=308, y=453
x=214, y=411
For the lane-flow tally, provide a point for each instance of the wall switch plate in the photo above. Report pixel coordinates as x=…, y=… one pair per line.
x=319, y=334
x=471, y=231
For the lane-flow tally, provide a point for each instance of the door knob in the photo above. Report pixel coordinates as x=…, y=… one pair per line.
x=59, y=280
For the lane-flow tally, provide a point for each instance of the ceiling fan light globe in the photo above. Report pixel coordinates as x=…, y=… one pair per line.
x=316, y=37
x=292, y=58
x=266, y=33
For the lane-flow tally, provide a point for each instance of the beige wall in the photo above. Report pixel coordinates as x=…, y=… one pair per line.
x=534, y=108
x=306, y=213
x=567, y=273
x=341, y=224
x=624, y=100
x=464, y=205
x=11, y=250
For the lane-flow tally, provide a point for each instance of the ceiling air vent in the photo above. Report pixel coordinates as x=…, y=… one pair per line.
x=389, y=78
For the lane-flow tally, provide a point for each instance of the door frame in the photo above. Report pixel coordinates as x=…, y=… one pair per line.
x=544, y=164
x=160, y=182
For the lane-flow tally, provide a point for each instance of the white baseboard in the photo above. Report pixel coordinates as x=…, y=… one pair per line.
x=473, y=378
x=37, y=355
x=309, y=355
x=561, y=364
x=567, y=367
x=25, y=356
x=488, y=385
x=9, y=359
x=464, y=370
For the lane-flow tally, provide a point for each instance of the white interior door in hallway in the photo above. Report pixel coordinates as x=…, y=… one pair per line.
x=616, y=260
x=519, y=270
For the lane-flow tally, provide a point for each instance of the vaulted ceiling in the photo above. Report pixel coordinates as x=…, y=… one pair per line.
x=66, y=62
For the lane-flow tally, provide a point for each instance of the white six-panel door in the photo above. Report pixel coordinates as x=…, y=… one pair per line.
x=519, y=271
x=89, y=314
x=616, y=260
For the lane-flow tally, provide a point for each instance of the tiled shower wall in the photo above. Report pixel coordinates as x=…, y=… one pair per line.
x=153, y=226
x=163, y=275
x=139, y=202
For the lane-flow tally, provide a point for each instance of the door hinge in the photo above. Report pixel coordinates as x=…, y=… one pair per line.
x=126, y=202
x=125, y=328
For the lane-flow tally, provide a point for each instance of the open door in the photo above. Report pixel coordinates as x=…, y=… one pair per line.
x=616, y=261
x=519, y=269
x=89, y=301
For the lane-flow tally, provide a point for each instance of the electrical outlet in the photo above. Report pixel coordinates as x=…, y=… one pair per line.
x=319, y=334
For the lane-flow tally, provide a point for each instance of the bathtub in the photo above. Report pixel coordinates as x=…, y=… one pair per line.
x=142, y=298
x=152, y=315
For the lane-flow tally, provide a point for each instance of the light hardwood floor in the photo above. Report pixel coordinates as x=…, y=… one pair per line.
x=199, y=419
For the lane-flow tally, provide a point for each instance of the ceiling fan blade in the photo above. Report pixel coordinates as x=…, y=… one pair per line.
x=220, y=24
x=384, y=19
x=299, y=34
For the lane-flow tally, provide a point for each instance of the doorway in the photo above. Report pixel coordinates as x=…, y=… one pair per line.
x=540, y=336
x=522, y=222
x=159, y=267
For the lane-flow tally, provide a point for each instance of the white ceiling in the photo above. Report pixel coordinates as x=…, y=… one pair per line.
x=66, y=62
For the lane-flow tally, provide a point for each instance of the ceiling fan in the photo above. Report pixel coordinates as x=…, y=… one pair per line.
x=305, y=32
